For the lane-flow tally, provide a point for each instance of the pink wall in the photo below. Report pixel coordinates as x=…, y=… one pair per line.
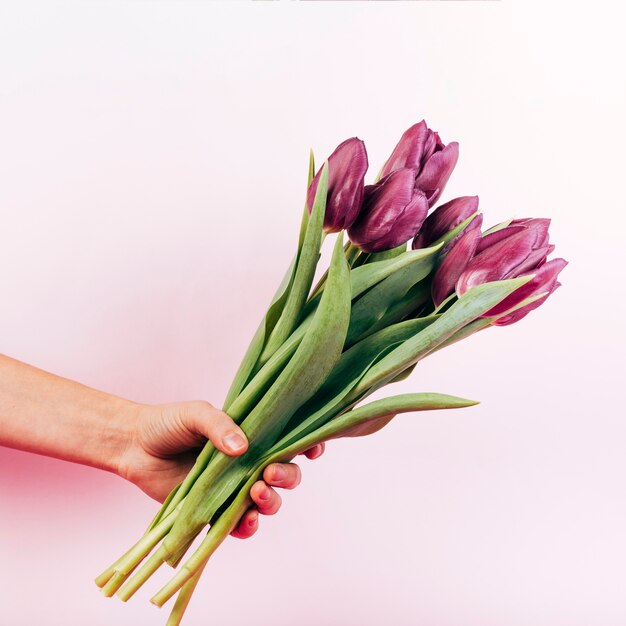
x=152, y=164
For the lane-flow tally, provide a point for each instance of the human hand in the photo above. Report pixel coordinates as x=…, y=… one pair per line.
x=164, y=444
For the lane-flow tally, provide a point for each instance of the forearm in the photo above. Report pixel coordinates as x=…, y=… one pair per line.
x=57, y=417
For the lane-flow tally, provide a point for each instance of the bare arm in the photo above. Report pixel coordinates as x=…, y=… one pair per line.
x=153, y=446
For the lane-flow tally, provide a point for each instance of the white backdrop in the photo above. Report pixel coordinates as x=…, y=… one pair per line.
x=152, y=167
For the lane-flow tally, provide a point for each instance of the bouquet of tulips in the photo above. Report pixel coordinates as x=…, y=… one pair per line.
x=321, y=350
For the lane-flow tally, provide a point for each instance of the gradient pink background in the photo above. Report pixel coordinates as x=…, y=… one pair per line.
x=152, y=161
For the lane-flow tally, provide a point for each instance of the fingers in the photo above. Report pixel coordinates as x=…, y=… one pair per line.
x=315, y=452
x=285, y=475
x=266, y=499
x=216, y=426
x=248, y=525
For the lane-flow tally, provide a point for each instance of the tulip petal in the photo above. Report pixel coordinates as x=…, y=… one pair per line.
x=347, y=166
x=409, y=151
x=544, y=280
x=444, y=218
x=453, y=265
x=405, y=226
x=436, y=172
x=496, y=261
x=383, y=203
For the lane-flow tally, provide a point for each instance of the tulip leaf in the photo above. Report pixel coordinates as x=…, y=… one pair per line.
x=474, y=303
x=304, y=271
x=303, y=375
x=360, y=356
x=305, y=215
x=387, y=254
x=368, y=310
x=367, y=276
x=255, y=348
x=497, y=227
x=414, y=299
x=404, y=374
x=343, y=424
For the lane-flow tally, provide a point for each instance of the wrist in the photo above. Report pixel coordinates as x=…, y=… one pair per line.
x=117, y=438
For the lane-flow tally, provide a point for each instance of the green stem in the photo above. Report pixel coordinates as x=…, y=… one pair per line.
x=126, y=563
x=198, y=560
x=182, y=601
x=145, y=571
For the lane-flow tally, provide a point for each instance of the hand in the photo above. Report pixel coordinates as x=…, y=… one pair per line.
x=164, y=444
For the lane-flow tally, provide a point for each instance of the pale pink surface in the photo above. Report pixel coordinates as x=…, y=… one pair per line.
x=153, y=162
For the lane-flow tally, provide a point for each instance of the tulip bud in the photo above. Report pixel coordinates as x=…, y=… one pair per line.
x=544, y=282
x=520, y=249
x=346, y=171
x=393, y=211
x=444, y=219
x=453, y=264
x=422, y=150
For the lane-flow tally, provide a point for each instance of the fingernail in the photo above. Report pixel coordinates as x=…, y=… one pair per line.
x=234, y=442
x=253, y=518
x=278, y=473
x=265, y=494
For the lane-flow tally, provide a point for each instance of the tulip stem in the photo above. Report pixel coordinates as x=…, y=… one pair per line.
x=184, y=596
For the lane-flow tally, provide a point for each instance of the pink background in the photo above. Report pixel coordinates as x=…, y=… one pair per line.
x=152, y=162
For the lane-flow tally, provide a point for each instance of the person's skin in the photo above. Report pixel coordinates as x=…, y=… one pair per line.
x=152, y=446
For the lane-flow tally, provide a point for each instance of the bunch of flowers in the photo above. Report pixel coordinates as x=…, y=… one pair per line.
x=381, y=307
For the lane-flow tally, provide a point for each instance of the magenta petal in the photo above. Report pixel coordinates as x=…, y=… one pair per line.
x=453, y=265
x=545, y=278
x=496, y=261
x=492, y=238
x=383, y=203
x=436, y=172
x=405, y=226
x=535, y=259
x=347, y=166
x=409, y=152
x=444, y=219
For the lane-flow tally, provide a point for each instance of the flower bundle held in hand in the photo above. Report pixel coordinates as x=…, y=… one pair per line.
x=318, y=353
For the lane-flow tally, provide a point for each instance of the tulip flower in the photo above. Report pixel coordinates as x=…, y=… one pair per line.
x=422, y=150
x=520, y=249
x=454, y=262
x=393, y=211
x=544, y=282
x=445, y=218
x=346, y=171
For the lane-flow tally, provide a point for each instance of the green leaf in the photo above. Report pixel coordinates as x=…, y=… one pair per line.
x=304, y=272
x=255, y=348
x=470, y=306
x=311, y=364
x=353, y=365
x=497, y=227
x=365, y=277
x=342, y=425
x=368, y=310
x=407, y=306
x=387, y=254
x=404, y=374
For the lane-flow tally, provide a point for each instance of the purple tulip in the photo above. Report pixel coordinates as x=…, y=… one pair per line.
x=446, y=218
x=520, y=249
x=346, y=171
x=422, y=150
x=454, y=263
x=544, y=282
x=393, y=211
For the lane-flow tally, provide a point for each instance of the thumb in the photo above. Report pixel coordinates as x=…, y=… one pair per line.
x=217, y=427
